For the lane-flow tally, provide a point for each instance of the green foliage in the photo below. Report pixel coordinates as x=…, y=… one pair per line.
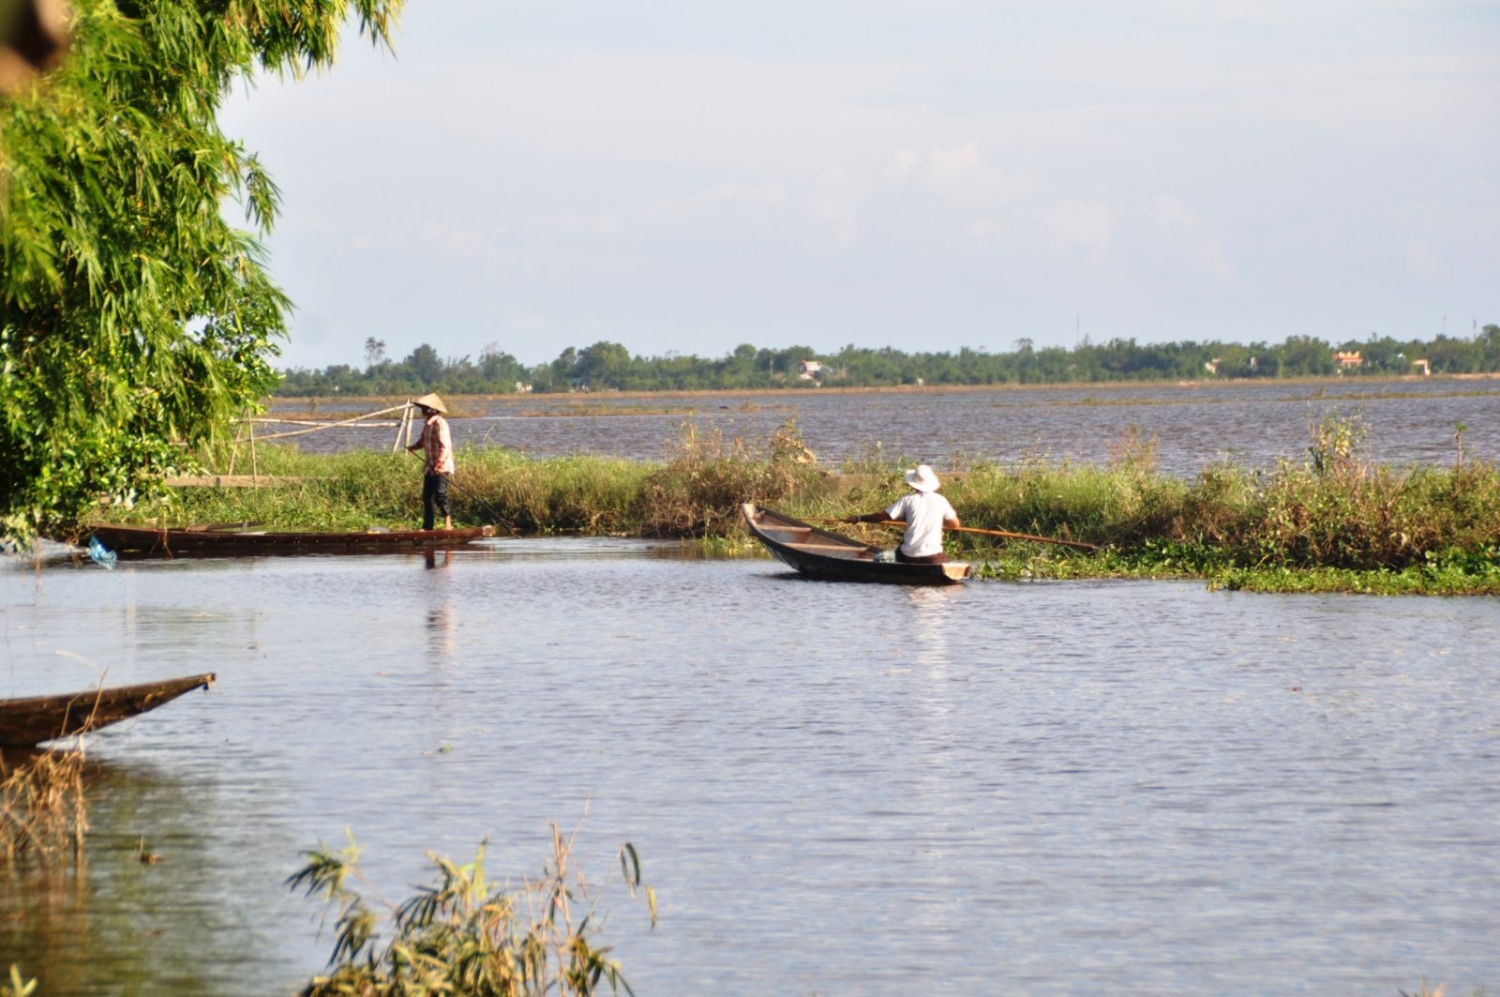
x=465, y=937
x=1407, y=529
x=610, y=366
x=134, y=320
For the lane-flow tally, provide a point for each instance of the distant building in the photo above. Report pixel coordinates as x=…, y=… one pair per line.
x=1212, y=366
x=1422, y=363
x=810, y=370
x=1349, y=359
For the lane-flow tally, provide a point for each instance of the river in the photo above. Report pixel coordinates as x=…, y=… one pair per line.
x=1192, y=425
x=1040, y=788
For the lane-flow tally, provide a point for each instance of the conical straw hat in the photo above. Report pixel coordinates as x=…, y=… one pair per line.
x=433, y=402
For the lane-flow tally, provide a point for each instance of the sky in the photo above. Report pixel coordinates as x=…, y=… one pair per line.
x=683, y=177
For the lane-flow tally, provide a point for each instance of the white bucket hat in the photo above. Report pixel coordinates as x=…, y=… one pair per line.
x=923, y=480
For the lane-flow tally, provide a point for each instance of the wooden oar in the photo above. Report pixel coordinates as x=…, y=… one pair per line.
x=1080, y=545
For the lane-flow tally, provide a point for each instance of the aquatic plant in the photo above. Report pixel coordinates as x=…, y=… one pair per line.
x=700, y=489
x=17, y=985
x=466, y=937
x=1326, y=520
x=42, y=805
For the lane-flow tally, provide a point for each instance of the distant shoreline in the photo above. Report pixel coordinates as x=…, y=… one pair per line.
x=582, y=397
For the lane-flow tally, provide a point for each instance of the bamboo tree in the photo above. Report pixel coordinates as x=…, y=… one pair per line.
x=135, y=321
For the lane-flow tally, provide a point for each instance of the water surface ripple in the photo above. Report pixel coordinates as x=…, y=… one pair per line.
x=1112, y=789
x=1192, y=425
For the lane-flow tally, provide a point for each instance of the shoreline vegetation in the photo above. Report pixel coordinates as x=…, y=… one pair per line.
x=1329, y=523
x=1334, y=386
x=611, y=366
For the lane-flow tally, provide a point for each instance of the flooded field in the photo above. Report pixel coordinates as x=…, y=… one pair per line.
x=1194, y=425
x=1112, y=789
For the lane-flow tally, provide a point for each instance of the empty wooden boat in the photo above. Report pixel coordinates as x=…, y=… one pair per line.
x=28, y=722
x=821, y=554
x=145, y=541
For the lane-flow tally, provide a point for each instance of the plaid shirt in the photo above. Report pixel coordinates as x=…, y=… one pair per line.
x=438, y=444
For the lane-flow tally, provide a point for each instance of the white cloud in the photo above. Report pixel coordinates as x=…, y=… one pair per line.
x=596, y=226
x=962, y=177
x=1087, y=225
x=835, y=204
x=1423, y=261
x=377, y=242
x=732, y=195
x=460, y=245
x=454, y=242
x=1189, y=233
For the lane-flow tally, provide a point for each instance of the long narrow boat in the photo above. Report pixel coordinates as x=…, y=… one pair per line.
x=145, y=541
x=821, y=554
x=25, y=723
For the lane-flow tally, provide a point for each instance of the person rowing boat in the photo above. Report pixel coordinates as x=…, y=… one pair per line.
x=925, y=514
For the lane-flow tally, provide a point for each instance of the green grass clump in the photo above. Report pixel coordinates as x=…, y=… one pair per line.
x=465, y=936
x=1329, y=522
x=699, y=491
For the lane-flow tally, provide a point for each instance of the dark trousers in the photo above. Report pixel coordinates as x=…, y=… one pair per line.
x=939, y=558
x=434, y=498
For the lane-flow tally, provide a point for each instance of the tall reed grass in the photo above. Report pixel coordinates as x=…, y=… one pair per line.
x=17, y=985
x=1331, y=511
x=43, y=811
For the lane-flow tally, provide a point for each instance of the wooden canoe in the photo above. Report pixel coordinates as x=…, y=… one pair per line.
x=144, y=541
x=25, y=723
x=821, y=554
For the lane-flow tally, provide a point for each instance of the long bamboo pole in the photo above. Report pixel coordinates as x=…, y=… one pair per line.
x=331, y=425
x=1079, y=544
x=254, y=466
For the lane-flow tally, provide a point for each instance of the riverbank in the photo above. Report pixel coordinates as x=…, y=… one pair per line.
x=600, y=401
x=1331, y=523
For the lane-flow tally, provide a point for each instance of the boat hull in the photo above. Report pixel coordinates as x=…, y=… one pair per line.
x=25, y=723
x=134, y=542
x=820, y=554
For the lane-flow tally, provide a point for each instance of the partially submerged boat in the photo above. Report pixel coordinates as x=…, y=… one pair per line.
x=821, y=554
x=25, y=723
x=189, y=541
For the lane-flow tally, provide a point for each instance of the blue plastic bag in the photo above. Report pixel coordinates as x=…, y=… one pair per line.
x=101, y=554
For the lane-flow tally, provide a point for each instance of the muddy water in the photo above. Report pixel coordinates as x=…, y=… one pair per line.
x=1193, y=426
x=1110, y=789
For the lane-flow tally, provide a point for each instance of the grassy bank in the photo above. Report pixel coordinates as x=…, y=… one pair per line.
x=1331, y=522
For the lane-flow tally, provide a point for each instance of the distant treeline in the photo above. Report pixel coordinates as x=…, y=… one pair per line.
x=610, y=366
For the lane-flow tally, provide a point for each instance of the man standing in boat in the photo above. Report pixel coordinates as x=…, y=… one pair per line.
x=925, y=514
x=437, y=443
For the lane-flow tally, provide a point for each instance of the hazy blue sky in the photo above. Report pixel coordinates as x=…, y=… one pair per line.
x=686, y=177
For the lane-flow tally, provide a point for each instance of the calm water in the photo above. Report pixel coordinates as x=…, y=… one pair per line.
x=1111, y=789
x=1194, y=425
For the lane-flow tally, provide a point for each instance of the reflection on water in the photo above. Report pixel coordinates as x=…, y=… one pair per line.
x=1193, y=425
x=1096, y=788
x=116, y=924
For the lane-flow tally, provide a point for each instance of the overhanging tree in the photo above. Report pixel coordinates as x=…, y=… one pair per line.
x=135, y=321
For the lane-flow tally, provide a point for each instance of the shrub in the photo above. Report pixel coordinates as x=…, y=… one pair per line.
x=467, y=938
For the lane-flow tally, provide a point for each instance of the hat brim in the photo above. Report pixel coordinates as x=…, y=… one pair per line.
x=921, y=484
